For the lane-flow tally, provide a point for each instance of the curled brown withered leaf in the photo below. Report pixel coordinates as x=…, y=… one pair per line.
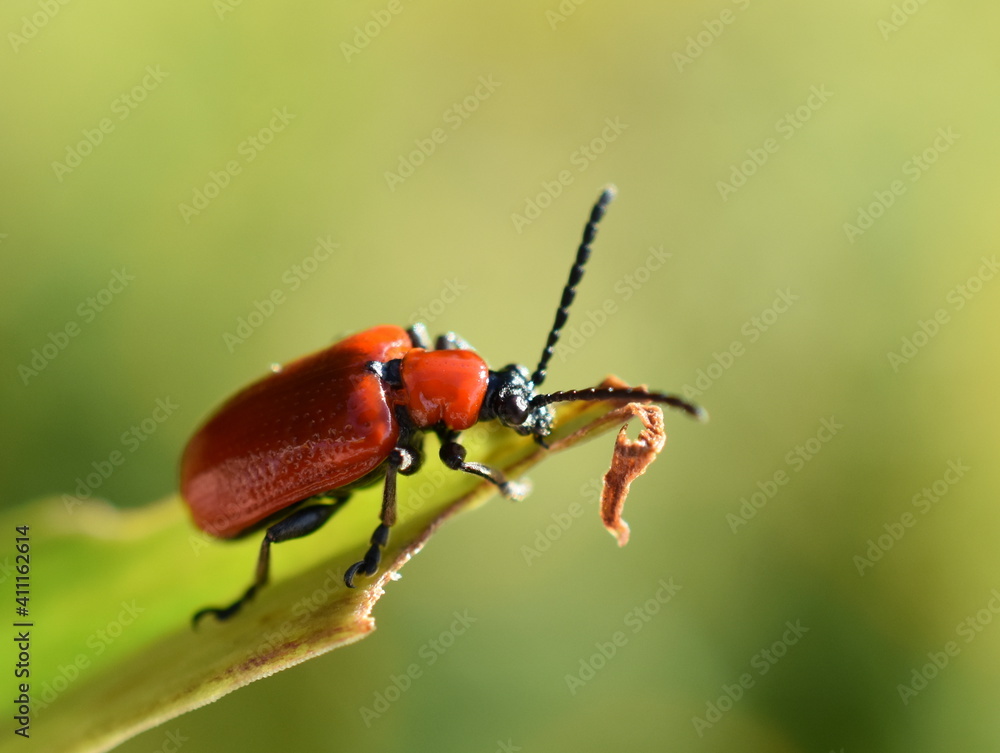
x=630, y=458
x=629, y=461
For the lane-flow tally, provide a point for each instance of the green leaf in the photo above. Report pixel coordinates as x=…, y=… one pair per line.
x=112, y=592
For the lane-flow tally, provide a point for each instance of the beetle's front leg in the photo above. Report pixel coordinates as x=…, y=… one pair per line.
x=453, y=455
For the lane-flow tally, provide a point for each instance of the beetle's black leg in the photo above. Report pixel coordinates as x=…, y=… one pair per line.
x=401, y=460
x=453, y=456
x=451, y=341
x=419, y=336
x=300, y=523
x=448, y=341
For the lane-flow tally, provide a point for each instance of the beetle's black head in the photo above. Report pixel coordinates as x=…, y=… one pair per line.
x=509, y=395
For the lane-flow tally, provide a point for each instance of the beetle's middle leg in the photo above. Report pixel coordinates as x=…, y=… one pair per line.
x=401, y=460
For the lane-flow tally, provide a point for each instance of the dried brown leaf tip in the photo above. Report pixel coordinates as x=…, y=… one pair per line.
x=629, y=461
x=630, y=458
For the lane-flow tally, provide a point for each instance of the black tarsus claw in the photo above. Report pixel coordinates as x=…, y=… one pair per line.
x=221, y=613
x=224, y=613
x=351, y=572
x=369, y=565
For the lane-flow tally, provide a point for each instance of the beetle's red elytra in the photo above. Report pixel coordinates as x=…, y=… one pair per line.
x=319, y=423
x=284, y=453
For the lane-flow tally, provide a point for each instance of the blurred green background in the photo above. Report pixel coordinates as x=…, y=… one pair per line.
x=805, y=238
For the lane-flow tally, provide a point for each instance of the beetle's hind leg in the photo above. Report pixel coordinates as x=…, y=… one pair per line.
x=401, y=460
x=300, y=523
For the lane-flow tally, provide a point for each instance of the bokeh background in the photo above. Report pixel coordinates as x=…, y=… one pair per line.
x=804, y=239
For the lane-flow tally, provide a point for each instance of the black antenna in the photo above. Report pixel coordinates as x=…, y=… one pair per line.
x=575, y=275
x=611, y=393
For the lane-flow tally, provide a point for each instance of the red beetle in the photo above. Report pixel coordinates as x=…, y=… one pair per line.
x=355, y=413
